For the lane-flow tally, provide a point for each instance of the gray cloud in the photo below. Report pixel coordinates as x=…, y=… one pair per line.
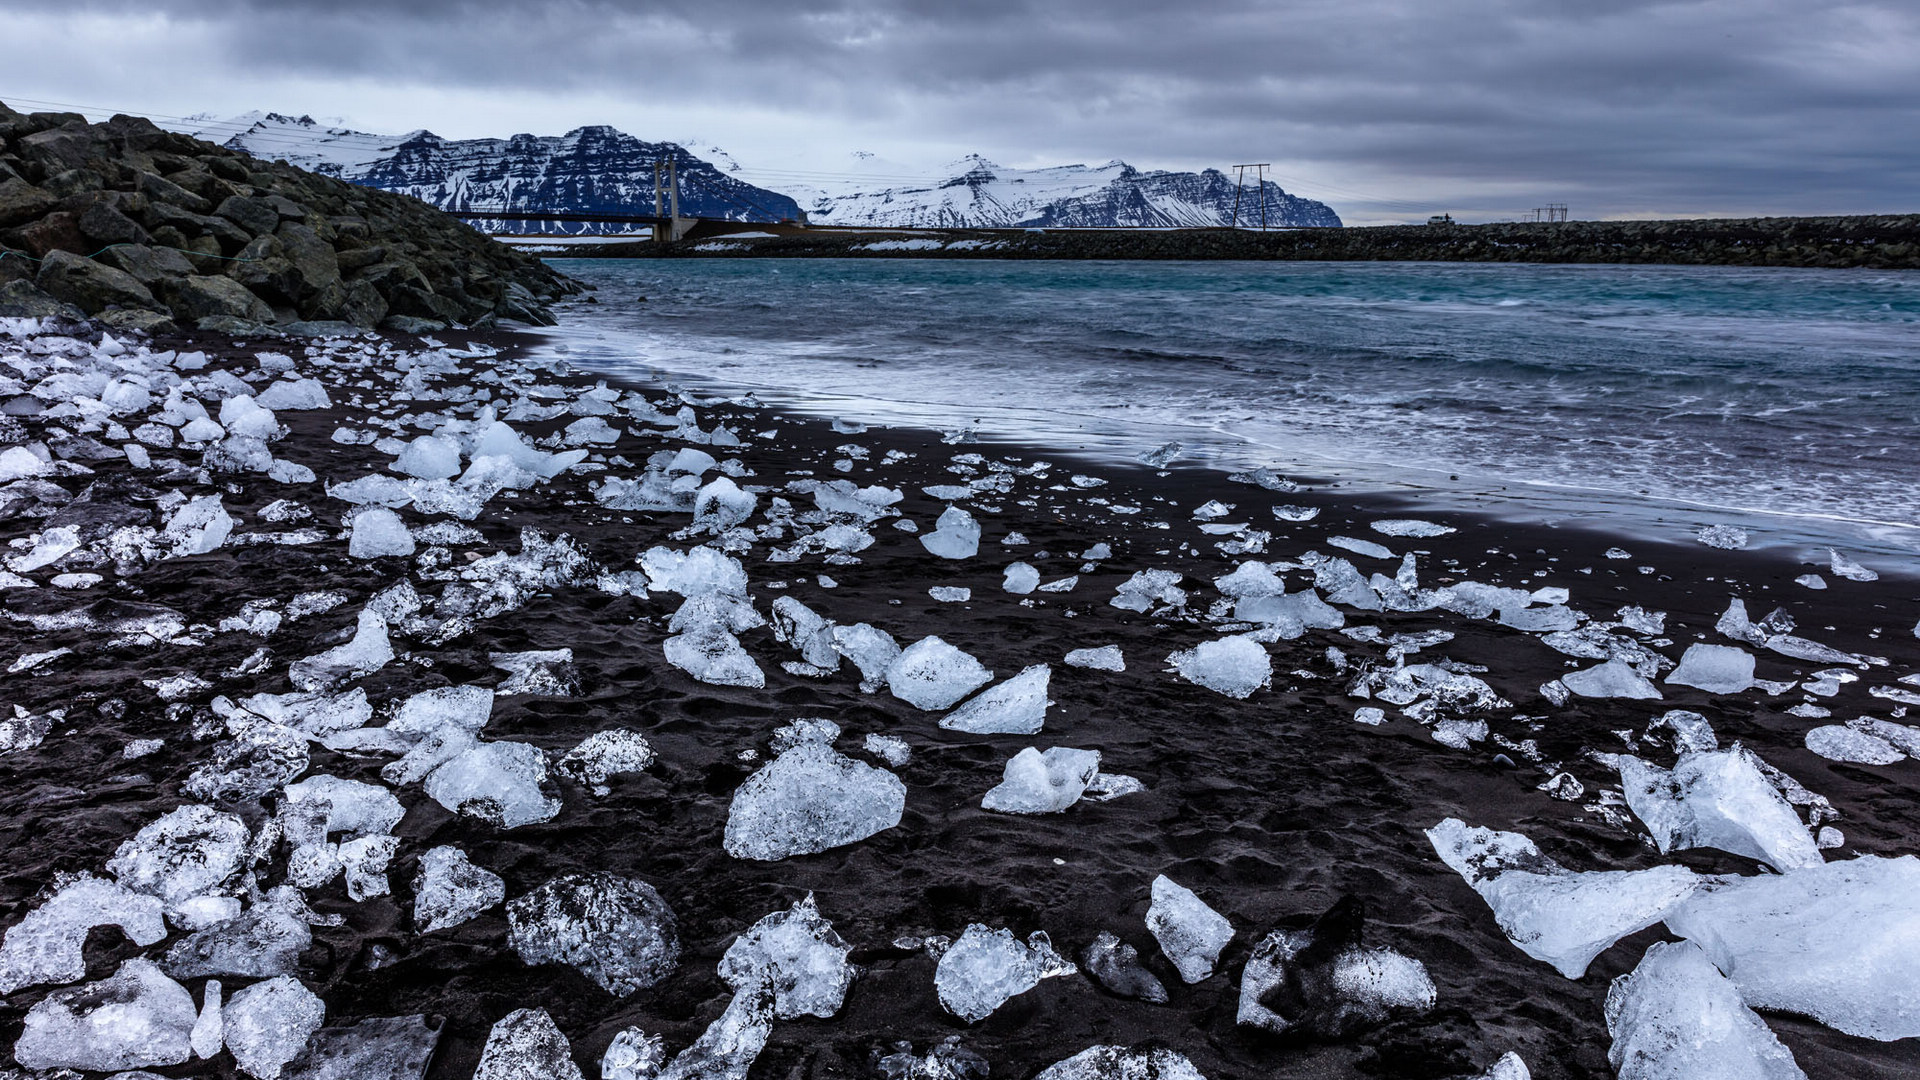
x=1621, y=106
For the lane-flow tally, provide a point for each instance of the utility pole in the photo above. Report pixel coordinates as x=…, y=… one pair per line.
x=1260, y=188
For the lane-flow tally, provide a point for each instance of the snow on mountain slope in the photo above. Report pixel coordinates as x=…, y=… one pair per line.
x=588, y=170
x=981, y=194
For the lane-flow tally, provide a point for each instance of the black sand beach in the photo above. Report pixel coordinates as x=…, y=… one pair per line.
x=1271, y=809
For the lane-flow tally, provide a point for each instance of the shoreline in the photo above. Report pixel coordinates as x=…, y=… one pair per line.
x=1883, y=241
x=1271, y=809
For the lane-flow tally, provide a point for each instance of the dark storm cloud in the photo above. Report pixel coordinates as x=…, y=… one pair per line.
x=1616, y=105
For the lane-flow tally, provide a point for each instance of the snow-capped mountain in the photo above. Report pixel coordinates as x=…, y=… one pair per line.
x=981, y=194
x=587, y=170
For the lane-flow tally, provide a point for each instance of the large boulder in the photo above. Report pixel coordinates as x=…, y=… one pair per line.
x=151, y=265
x=90, y=286
x=66, y=147
x=24, y=300
x=161, y=189
x=204, y=296
x=258, y=216
x=22, y=202
x=103, y=224
x=58, y=231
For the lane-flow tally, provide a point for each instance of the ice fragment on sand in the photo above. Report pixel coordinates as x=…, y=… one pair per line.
x=313, y=715
x=1143, y=1062
x=1675, y=1018
x=809, y=799
x=135, y=1019
x=545, y=672
x=951, y=594
x=1189, y=932
x=727, y=1049
x=1323, y=981
x=1561, y=916
x=1159, y=457
x=259, y=758
x=1149, y=587
x=1847, y=568
x=1726, y=537
x=264, y=942
x=191, y=851
x=1234, y=666
x=376, y=1048
x=1811, y=581
x=1017, y=706
x=692, y=572
x=1689, y=730
x=1409, y=527
x=379, y=533
x=931, y=674
x=1104, y=658
x=497, y=782
x=888, y=748
x=1116, y=966
x=1033, y=782
x=797, y=956
x=1021, y=579
x=45, y=947
x=1717, y=669
x=1360, y=547
x=369, y=651
x=615, y=930
x=198, y=527
x=606, y=754
x=955, y=536
x=526, y=1045
x=450, y=889
x=209, y=1034
x=980, y=971
x=721, y=505
x=268, y=1024
x=873, y=651
x=1510, y=1067
x=430, y=457
x=1837, y=742
x=633, y=1055
x=713, y=656
x=1718, y=799
x=295, y=393
x=1832, y=942
x=1613, y=679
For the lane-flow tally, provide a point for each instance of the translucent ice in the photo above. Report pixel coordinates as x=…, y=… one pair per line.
x=1021, y=579
x=1717, y=669
x=375, y=1048
x=378, y=533
x=1833, y=942
x=498, y=782
x=615, y=930
x=450, y=889
x=526, y=1045
x=199, y=526
x=1149, y=587
x=1719, y=799
x=873, y=651
x=1727, y=537
x=1613, y=679
x=369, y=651
x=466, y=708
x=135, y=1019
x=980, y=971
x=633, y=1055
x=1675, y=1018
x=45, y=947
x=1104, y=658
x=692, y=572
x=715, y=657
x=268, y=1024
x=1116, y=966
x=547, y=672
x=809, y=799
x=795, y=954
x=1144, y=1062
x=191, y=851
x=1017, y=706
x=1561, y=916
x=1847, y=568
x=1189, y=932
x=261, y=943
x=1837, y=742
x=1234, y=666
x=209, y=1034
x=1409, y=527
x=605, y=754
x=1324, y=981
x=956, y=535
x=721, y=505
x=313, y=715
x=430, y=457
x=258, y=758
x=931, y=674
x=727, y=1049
x=1033, y=782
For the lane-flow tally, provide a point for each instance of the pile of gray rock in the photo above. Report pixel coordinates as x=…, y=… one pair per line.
x=145, y=229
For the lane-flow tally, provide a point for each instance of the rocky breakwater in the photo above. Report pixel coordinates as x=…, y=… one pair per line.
x=150, y=230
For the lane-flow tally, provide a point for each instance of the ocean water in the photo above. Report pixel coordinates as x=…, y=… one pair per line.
x=1635, y=398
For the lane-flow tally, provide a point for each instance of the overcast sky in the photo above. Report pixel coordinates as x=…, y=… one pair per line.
x=1385, y=109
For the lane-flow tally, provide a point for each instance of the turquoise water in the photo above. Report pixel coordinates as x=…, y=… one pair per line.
x=1786, y=399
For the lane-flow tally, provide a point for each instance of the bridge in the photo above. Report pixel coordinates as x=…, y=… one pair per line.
x=666, y=222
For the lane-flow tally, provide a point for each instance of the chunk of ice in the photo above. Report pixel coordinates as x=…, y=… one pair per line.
x=692, y=572
x=1149, y=587
x=199, y=526
x=1847, y=568
x=262, y=943
x=984, y=968
x=376, y=1048
x=1725, y=537
x=1409, y=527
x=1190, y=933
x=1833, y=942
x=451, y=889
x=1838, y=742
x=1717, y=669
x=45, y=947
x=132, y=1020
x=1104, y=658
x=1551, y=913
x=209, y=1034
x=378, y=533
x=191, y=851
x=797, y=956
x=1324, y=981
x=1021, y=579
x=955, y=535
x=809, y=799
x=1613, y=679
x=1116, y=965
x=1033, y=782
x=1718, y=799
x=727, y=1049
x=605, y=754
x=1017, y=706
x=615, y=930
x=498, y=782
x=368, y=652
x=715, y=657
x=430, y=457
x=1675, y=1018
x=1234, y=666
x=526, y=1045
x=1144, y=1062
x=931, y=674
x=1361, y=547
x=268, y=1024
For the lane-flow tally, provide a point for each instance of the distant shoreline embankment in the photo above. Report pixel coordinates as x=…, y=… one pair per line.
x=1890, y=242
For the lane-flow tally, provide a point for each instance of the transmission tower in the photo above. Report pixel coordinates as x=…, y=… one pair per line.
x=1260, y=188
